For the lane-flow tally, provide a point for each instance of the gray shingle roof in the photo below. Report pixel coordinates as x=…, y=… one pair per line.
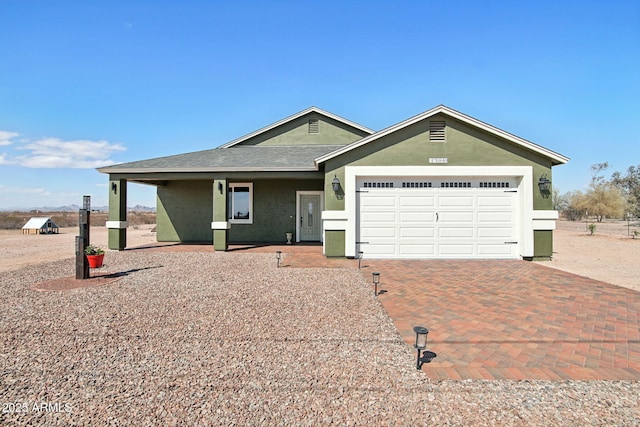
x=238, y=158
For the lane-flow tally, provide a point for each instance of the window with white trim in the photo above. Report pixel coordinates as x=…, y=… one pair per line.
x=241, y=203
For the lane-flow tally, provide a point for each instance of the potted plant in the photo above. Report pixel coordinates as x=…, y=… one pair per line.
x=95, y=255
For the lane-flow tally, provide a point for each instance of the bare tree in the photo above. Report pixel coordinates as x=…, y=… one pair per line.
x=629, y=185
x=571, y=210
x=596, y=177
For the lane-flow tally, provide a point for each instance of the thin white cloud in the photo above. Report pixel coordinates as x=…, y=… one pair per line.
x=24, y=191
x=6, y=137
x=56, y=153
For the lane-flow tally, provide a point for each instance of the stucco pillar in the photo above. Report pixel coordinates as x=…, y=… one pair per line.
x=220, y=224
x=117, y=223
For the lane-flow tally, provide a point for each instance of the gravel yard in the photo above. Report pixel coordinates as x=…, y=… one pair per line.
x=229, y=339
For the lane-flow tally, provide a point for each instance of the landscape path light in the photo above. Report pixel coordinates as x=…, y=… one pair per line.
x=278, y=256
x=360, y=255
x=421, y=343
x=376, y=281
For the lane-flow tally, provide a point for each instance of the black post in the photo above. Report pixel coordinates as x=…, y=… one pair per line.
x=82, y=241
x=81, y=260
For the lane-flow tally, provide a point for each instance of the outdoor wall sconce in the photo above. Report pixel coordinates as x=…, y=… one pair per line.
x=114, y=187
x=220, y=187
x=376, y=281
x=544, y=185
x=335, y=184
x=360, y=255
x=421, y=343
x=278, y=256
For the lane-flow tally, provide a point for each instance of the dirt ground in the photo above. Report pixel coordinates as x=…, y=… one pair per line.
x=609, y=255
x=20, y=250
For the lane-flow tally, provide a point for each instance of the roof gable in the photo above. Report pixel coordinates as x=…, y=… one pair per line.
x=292, y=130
x=38, y=222
x=441, y=109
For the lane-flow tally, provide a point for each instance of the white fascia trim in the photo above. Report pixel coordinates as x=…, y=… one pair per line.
x=213, y=170
x=524, y=173
x=293, y=117
x=452, y=113
x=220, y=225
x=117, y=224
x=334, y=215
x=544, y=220
x=334, y=221
x=543, y=225
x=544, y=214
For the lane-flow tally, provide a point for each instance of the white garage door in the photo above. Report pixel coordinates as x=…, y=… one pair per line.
x=437, y=218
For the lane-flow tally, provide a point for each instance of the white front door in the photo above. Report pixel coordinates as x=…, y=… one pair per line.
x=309, y=226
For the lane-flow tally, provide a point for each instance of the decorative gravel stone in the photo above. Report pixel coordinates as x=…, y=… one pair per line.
x=229, y=339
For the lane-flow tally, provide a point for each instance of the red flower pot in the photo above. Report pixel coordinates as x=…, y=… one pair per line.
x=95, y=261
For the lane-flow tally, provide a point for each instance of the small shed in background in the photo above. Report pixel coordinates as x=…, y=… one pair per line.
x=40, y=225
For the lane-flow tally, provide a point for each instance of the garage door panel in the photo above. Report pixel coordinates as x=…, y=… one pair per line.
x=378, y=216
x=453, y=216
x=417, y=232
x=417, y=201
x=455, y=232
x=378, y=201
x=494, y=216
x=497, y=201
x=446, y=201
x=417, y=250
x=420, y=217
x=462, y=250
x=376, y=232
x=494, y=232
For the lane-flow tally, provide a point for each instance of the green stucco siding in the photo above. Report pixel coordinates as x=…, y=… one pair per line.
x=185, y=211
x=334, y=245
x=464, y=146
x=542, y=244
x=117, y=237
x=274, y=210
x=296, y=132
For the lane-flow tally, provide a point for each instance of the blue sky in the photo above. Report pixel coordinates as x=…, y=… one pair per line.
x=90, y=83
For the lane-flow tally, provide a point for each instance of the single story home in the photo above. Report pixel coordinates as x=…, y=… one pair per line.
x=440, y=184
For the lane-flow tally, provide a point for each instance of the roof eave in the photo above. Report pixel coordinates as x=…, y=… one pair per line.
x=205, y=170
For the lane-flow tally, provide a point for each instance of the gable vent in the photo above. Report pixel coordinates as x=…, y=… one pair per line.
x=436, y=130
x=314, y=126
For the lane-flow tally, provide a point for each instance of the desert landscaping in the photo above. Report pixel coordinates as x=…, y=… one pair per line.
x=610, y=254
x=207, y=338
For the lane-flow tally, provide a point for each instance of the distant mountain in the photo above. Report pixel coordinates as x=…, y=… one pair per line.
x=76, y=208
x=138, y=208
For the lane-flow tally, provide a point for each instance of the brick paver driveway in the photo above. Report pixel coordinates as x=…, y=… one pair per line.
x=512, y=319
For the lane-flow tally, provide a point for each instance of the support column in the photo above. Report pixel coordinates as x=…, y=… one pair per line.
x=220, y=224
x=117, y=223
